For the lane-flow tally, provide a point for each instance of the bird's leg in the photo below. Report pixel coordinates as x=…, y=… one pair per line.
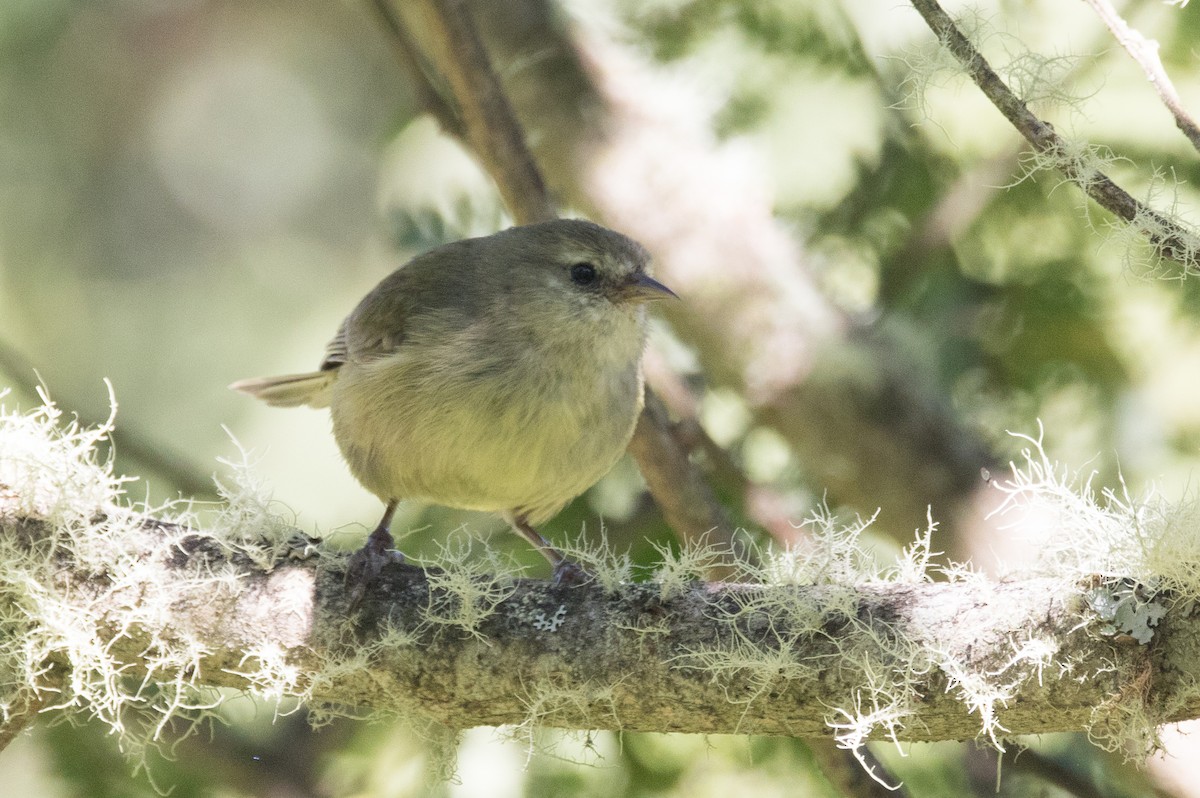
x=566, y=572
x=366, y=563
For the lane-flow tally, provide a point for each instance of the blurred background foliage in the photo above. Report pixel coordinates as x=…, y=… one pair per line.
x=196, y=191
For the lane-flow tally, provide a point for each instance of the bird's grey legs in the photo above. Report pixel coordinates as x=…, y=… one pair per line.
x=366, y=563
x=566, y=572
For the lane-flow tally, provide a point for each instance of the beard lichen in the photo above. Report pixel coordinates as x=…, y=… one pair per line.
x=808, y=619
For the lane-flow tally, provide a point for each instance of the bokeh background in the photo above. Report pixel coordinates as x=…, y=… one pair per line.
x=195, y=191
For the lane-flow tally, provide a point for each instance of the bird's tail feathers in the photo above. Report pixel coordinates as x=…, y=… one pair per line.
x=290, y=390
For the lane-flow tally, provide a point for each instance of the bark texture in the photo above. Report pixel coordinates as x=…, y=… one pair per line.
x=923, y=661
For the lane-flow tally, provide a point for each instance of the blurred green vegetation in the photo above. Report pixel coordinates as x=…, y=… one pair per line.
x=197, y=191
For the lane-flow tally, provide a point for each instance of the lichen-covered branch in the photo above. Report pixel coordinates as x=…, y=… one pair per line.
x=1169, y=238
x=109, y=611
x=915, y=661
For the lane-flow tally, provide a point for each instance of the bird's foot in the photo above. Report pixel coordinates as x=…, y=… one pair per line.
x=570, y=573
x=366, y=564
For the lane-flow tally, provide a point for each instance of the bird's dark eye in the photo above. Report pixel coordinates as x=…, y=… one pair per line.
x=584, y=274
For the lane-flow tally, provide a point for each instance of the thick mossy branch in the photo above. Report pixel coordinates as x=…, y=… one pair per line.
x=917, y=661
x=108, y=611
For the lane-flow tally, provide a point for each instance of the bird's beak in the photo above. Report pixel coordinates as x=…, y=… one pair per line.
x=644, y=288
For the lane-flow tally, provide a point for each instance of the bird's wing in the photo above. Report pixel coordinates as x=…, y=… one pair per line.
x=377, y=327
x=336, y=351
x=426, y=284
x=374, y=330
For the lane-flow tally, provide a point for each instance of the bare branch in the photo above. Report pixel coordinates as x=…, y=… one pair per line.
x=491, y=127
x=1145, y=52
x=1171, y=240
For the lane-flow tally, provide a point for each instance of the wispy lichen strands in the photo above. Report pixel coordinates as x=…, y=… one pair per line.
x=1170, y=238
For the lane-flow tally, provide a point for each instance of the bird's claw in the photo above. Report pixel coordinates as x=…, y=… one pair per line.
x=365, y=565
x=570, y=574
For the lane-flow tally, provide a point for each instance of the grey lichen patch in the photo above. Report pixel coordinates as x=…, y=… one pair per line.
x=1125, y=609
x=551, y=624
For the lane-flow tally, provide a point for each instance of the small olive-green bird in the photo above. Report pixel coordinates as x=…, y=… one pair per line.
x=501, y=373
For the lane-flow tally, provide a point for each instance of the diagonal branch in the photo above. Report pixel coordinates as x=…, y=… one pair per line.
x=1145, y=52
x=19, y=718
x=490, y=126
x=1170, y=239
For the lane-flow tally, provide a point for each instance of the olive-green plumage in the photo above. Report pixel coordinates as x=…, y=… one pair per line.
x=500, y=373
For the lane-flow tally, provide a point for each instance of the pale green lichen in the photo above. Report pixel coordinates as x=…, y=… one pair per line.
x=681, y=567
x=548, y=697
x=49, y=471
x=468, y=583
x=63, y=642
x=607, y=567
x=1141, y=556
x=1113, y=533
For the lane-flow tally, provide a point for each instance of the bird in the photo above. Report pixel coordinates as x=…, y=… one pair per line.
x=500, y=373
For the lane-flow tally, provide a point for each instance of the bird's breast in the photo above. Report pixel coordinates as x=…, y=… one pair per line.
x=497, y=428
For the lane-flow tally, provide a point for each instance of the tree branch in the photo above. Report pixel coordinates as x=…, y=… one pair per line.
x=1145, y=52
x=917, y=661
x=491, y=127
x=1171, y=240
x=18, y=718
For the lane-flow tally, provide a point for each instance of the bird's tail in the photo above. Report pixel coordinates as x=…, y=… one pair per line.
x=290, y=390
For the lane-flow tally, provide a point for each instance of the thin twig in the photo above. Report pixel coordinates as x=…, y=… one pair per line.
x=1170, y=239
x=1145, y=52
